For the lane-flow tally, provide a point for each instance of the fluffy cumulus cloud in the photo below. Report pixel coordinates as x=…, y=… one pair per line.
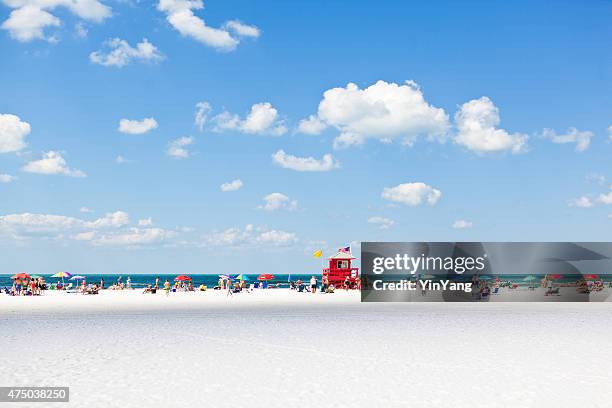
x=203, y=109
x=462, y=224
x=112, y=229
x=249, y=236
x=119, y=53
x=605, y=198
x=180, y=15
x=178, y=148
x=381, y=222
x=383, y=111
x=13, y=132
x=262, y=119
x=6, y=178
x=581, y=202
x=29, y=18
x=288, y=161
x=412, y=194
x=278, y=201
x=582, y=139
x=137, y=127
x=52, y=162
x=477, y=122
x=610, y=132
x=231, y=186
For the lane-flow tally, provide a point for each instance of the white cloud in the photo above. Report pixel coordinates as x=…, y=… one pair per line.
x=249, y=236
x=52, y=162
x=85, y=210
x=121, y=160
x=178, y=147
x=120, y=53
x=201, y=116
x=581, y=202
x=277, y=238
x=137, y=127
x=262, y=118
x=610, y=132
x=6, y=178
x=13, y=132
x=383, y=223
x=232, y=185
x=477, y=122
x=80, y=30
x=573, y=135
x=30, y=18
x=112, y=229
x=462, y=224
x=596, y=178
x=115, y=219
x=288, y=161
x=145, y=222
x=383, y=111
x=412, y=194
x=311, y=125
x=605, y=198
x=241, y=29
x=180, y=15
x=278, y=201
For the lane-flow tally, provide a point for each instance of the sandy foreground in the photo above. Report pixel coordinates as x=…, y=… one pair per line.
x=278, y=348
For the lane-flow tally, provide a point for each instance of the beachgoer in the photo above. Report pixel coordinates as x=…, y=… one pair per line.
x=157, y=283
x=347, y=283
x=101, y=283
x=313, y=284
x=129, y=283
x=167, y=287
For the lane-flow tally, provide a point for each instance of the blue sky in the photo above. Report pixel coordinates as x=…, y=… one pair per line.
x=501, y=134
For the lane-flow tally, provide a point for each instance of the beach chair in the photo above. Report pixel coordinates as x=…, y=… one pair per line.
x=495, y=291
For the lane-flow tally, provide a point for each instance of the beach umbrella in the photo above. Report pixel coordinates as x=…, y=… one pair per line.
x=591, y=276
x=35, y=276
x=529, y=278
x=265, y=277
x=555, y=276
x=21, y=275
x=77, y=277
x=182, y=278
x=62, y=275
x=243, y=277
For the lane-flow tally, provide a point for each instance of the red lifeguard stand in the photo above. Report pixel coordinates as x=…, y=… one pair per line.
x=340, y=268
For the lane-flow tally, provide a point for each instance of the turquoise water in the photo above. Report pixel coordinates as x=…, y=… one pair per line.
x=140, y=281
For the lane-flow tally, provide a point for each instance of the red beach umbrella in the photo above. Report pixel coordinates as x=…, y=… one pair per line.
x=182, y=278
x=591, y=276
x=21, y=275
x=265, y=277
x=555, y=276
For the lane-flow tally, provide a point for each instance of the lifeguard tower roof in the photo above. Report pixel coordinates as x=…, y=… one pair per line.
x=342, y=255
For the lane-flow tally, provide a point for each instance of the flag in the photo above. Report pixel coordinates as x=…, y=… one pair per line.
x=318, y=253
x=345, y=250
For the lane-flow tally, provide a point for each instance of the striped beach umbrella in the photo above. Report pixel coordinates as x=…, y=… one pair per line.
x=62, y=275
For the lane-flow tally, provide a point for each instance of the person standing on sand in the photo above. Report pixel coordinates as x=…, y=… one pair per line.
x=167, y=287
x=156, y=283
x=347, y=283
x=101, y=283
x=128, y=283
x=313, y=284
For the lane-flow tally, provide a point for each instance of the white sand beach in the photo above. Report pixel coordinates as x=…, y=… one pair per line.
x=278, y=348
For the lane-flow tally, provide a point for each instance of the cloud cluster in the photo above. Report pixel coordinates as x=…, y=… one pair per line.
x=412, y=194
x=383, y=223
x=13, y=132
x=30, y=18
x=278, y=201
x=180, y=15
x=249, y=236
x=288, y=161
x=262, y=119
x=6, y=178
x=477, y=122
x=137, y=127
x=232, y=186
x=51, y=163
x=112, y=229
x=178, y=148
x=383, y=111
x=582, y=139
x=120, y=53
x=201, y=115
